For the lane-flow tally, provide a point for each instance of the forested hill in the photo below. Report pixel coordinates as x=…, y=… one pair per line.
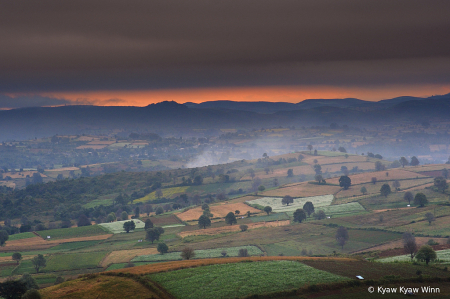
x=172, y=118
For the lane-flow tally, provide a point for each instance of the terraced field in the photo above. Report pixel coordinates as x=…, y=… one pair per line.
x=199, y=254
x=117, y=226
x=277, y=206
x=220, y=210
x=168, y=193
x=302, y=190
x=241, y=279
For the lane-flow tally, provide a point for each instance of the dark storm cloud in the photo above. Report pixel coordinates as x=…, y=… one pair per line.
x=89, y=45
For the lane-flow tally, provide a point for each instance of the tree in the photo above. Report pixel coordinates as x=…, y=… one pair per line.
x=3, y=237
x=204, y=221
x=414, y=161
x=129, y=225
x=251, y=171
x=315, y=152
x=275, y=182
x=319, y=215
x=374, y=180
x=440, y=183
x=230, y=219
x=445, y=173
x=426, y=253
x=148, y=209
x=261, y=188
x=267, y=170
x=403, y=161
x=39, y=262
x=379, y=166
x=396, y=185
x=243, y=227
x=11, y=289
x=318, y=169
x=342, y=149
x=310, y=147
x=29, y=281
x=243, y=252
x=153, y=234
x=111, y=217
x=162, y=248
x=17, y=256
x=158, y=193
x=318, y=178
x=124, y=215
x=299, y=215
x=363, y=190
x=198, y=180
x=237, y=212
x=430, y=217
x=345, y=182
x=187, y=253
x=290, y=173
x=408, y=196
x=342, y=236
x=409, y=244
x=344, y=170
x=32, y=294
x=420, y=199
x=385, y=190
x=137, y=212
x=83, y=221
x=287, y=199
x=308, y=207
x=159, y=211
x=205, y=206
x=268, y=209
x=148, y=224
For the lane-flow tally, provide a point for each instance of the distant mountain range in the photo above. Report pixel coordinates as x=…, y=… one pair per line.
x=170, y=118
x=272, y=107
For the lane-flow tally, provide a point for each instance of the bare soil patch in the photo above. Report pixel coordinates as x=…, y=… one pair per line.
x=218, y=211
x=399, y=244
x=232, y=228
x=124, y=256
x=394, y=174
x=303, y=190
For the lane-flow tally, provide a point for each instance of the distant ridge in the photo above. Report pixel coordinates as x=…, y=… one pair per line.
x=272, y=107
x=171, y=118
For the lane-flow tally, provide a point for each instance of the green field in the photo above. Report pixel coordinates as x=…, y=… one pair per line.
x=117, y=226
x=167, y=193
x=21, y=236
x=345, y=208
x=72, y=261
x=73, y=232
x=241, y=279
x=277, y=206
x=199, y=254
x=271, y=217
x=442, y=255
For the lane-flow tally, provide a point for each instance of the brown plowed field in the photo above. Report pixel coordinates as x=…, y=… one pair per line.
x=232, y=228
x=217, y=210
x=39, y=243
x=399, y=244
x=124, y=256
x=394, y=174
x=170, y=266
x=303, y=190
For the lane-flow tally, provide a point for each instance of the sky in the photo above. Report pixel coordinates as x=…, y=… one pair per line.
x=138, y=52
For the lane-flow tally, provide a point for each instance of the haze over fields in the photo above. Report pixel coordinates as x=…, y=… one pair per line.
x=224, y=149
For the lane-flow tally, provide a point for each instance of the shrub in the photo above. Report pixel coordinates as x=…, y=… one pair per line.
x=243, y=227
x=243, y=252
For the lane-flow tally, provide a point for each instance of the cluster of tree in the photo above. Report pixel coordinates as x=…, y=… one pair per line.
x=425, y=253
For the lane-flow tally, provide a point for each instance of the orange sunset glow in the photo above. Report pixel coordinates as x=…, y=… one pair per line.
x=250, y=94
